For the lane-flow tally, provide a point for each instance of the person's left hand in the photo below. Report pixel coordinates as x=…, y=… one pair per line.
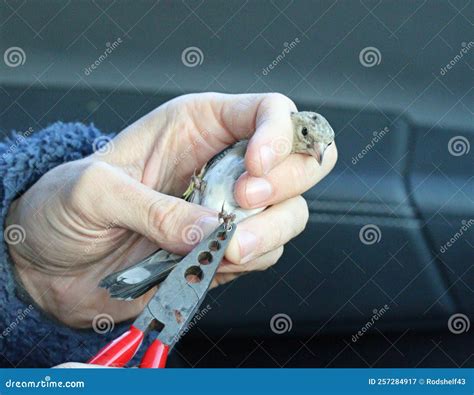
x=79, y=365
x=88, y=218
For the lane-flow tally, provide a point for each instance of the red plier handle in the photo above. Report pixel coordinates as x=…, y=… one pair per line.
x=121, y=350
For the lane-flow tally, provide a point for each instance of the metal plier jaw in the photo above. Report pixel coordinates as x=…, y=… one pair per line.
x=173, y=307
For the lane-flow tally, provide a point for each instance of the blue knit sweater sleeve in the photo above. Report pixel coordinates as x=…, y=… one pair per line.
x=28, y=338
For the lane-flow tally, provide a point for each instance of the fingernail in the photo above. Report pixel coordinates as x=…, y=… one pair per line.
x=267, y=157
x=247, y=244
x=257, y=190
x=204, y=226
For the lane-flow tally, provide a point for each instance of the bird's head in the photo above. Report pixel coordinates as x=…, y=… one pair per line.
x=312, y=134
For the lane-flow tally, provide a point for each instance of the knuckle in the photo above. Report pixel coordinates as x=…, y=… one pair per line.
x=281, y=98
x=279, y=252
x=163, y=220
x=304, y=175
x=296, y=174
x=279, y=231
x=84, y=187
x=302, y=216
x=334, y=157
x=275, y=256
x=92, y=173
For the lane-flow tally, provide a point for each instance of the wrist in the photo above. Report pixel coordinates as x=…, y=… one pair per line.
x=40, y=288
x=29, y=281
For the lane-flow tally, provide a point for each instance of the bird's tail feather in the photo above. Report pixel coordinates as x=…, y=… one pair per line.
x=134, y=281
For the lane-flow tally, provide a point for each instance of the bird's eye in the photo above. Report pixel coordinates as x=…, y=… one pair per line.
x=304, y=131
x=329, y=143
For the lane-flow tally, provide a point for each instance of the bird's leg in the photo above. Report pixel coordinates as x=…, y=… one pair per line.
x=227, y=218
x=196, y=183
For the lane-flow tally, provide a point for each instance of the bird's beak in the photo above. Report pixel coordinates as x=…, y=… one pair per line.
x=317, y=151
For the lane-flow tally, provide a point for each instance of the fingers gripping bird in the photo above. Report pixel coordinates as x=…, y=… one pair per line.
x=213, y=188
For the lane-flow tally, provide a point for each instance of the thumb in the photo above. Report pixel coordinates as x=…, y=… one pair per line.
x=172, y=223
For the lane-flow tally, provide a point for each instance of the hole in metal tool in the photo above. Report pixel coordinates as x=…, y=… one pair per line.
x=156, y=325
x=214, y=245
x=205, y=258
x=193, y=274
x=222, y=235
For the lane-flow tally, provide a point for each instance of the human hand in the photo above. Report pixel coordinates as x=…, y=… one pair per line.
x=88, y=218
x=79, y=365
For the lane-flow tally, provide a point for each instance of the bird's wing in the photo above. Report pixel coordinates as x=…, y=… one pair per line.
x=192, y=194
x=219, y=176
x=240, y=147
x=134, y=281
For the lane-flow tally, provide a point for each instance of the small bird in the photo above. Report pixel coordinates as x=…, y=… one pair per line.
x=213, y=188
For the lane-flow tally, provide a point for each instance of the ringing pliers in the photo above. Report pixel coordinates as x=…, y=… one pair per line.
x=173, y=307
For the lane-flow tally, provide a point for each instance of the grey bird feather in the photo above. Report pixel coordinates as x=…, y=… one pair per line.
x=214, y=188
